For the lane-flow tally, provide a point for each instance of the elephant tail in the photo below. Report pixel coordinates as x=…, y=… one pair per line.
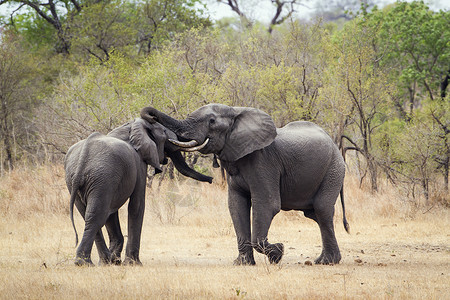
x=77, y=179
x=73, y=195
x=346, y=225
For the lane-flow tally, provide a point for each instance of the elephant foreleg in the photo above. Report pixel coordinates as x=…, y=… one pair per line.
x=136, y=208
x=263, y=214
x=239, y=206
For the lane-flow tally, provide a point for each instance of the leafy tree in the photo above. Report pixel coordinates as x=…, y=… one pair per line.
x=365, y=88
x=160, y=20
x=17, y=99
x=414, y=42
x=97, y=98
x=279, y=73
x=415, y=149
x=47, y=14
x=102, y=28
x=439, y=112
x=119, y=25
x=98, y=27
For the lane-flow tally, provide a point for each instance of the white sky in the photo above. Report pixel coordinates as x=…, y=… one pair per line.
x=263, y=10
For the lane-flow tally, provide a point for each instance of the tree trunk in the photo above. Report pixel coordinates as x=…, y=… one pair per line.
x=445, y=166
x=7, y=137
x=425, y=187
x=373, y=173
x=444, y=85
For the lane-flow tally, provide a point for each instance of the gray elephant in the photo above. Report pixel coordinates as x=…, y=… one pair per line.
x=103, y=171
x=297, y=167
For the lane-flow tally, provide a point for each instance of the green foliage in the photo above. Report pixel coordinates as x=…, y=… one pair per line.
x=96, y=28
x=19, y=88
x=160, y=20
x=103, y=28
x=416, y=151
x=378, y=79
x=38, y=33
x=97, y=98
x=414, y=41
x=363, y=90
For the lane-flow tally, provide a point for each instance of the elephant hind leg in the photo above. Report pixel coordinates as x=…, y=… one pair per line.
x=330, y=253
x=83, y=259
x=115, y=238
x=310, y=213
x=324, y=213
x=103, y=251
x=95, y=216
x=330, y=249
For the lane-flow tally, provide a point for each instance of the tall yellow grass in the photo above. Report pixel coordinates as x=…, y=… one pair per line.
x=396, y=250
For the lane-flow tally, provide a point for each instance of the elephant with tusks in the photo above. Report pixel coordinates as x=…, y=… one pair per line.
x=296, y=167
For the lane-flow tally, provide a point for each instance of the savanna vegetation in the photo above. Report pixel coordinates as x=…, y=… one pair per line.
x=378, y=83
x=376, y=78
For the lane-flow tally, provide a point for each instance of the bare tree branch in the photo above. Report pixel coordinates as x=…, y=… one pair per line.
x=277, y=20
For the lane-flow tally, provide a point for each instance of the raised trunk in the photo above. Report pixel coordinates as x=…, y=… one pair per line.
x=150, y=113
x=184, y=169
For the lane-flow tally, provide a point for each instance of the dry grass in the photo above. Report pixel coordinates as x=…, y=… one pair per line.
x=397, y=250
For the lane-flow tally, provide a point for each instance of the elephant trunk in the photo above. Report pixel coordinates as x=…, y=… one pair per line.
x=183, y=168
x=150, y=113
x=178, y=127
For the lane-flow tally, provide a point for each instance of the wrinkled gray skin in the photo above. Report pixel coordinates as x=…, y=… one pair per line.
x=297, y=167
x=102, y=172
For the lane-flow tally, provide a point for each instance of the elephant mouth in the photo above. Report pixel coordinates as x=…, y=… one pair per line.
x=190, y=146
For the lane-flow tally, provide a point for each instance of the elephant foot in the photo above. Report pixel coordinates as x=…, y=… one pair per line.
x=112, y=260
x=275, y=252
x=328, y=258
x=105, y=261
x=79, y=261
x=132, y=262
x=244, y=259
x=115, y=260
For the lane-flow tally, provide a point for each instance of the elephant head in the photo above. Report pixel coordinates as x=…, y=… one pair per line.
x=151, y=140
x=229, y=132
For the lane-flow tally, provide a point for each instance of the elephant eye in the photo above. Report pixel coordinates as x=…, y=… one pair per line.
x=212, y=121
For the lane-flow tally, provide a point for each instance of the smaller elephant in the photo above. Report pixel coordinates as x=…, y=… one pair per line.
x=104, y=171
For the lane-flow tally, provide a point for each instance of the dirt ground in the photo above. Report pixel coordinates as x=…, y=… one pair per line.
x=188, y=247
x=381, y=259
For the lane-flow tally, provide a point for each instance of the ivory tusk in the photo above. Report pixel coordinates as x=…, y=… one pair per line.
x=184, y=144
x=192, y=149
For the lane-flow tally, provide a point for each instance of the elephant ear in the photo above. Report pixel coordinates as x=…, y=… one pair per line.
x=252, y=130
x=143, y=144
